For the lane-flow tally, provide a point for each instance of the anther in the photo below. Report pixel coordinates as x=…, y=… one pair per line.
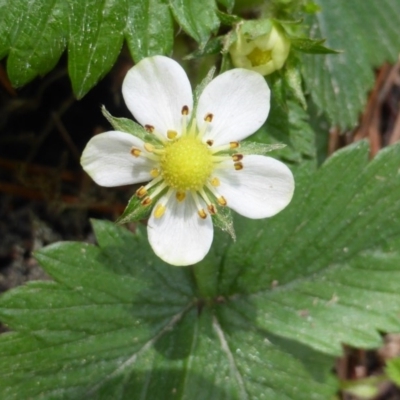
x=238, y=166
x=185, y=110
x=215, y=182
x=202, y=214
x=211, y=208
x=141, y=192
x=172, y=134
x=237, y=157
x=221, y=201
x=135, y=152
x=146, y=201
x=209, y=117
x=149, y=147
x=154, y=172
x=180, y=196
x=210, y=142
x=159, y=211
x=234, y=145
x=149, y=128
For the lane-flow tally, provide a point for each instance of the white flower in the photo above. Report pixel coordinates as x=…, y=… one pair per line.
x=193, y=167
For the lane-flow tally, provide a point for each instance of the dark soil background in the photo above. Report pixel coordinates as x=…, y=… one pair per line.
x=46, y=197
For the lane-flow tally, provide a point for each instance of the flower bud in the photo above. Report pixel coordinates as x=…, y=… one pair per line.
x=261, y=46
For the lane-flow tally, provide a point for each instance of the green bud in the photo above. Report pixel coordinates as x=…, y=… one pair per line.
x=261, y=46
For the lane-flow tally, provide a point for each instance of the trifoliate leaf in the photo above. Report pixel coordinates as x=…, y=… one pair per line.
x=117, y=322
x=326, y=271
x=94, y=41
x=149, y=30
x=367, y=32
x=197, y=19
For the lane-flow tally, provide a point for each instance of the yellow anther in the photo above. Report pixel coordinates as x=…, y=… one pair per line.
x=237, y=157
x=234, y=145
x=210, y=142
x=154, y=172
x=238, y=166
x=209, y=117
x=211, y=208
x=202, y=214
x=180, y=196
x=141, y=192
x=149, y=147
x=159, y=211
x=221, y=201
x=149, y=128
x=185, y=110
x=146, y=201
x=135, y=152
x=215, y=182
x=172, y=134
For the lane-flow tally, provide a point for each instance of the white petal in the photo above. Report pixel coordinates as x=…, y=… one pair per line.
x=261, y=189
x=107, y=159
x=180, y=237
x=155, y=90
x=239, y=101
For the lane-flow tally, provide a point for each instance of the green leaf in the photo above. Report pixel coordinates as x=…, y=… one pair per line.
x=367, y=32
x=197, y=19
x=393, y=370
x=229, y=4
x=35, y=38
x=326, y=270
x=149, y=30
x=228, y=19
x=95, y=40
x=117, y=323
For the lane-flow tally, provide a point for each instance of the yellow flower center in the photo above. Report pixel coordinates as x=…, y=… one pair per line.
x=259, y=57
x=186, y=164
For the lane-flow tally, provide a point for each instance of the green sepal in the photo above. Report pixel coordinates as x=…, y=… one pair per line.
x=311, y=46
x=249, y=148
x=293, y=80
x=228, y=19
x=223, y=220
x=135, y=211
x=128, y=126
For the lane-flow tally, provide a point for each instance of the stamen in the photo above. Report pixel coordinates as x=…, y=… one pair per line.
x=155, y=172
x=135, y=151
x=202, y=214
x=141, y=192
x=185, y=110
x=185, y=113
x=146, y=201
x=149, y=147
x=162, y=204
x=158, y=189
x=210, y=142
x=149, y=128
x=159, y=211
x=210, y=206
x=180, y=196
x=238, y=166
x=234, y=145
x=172, y=134
x=215, y=182
x=237, y=157
x=200, y=209
x=209, y=117
x=220, y=199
